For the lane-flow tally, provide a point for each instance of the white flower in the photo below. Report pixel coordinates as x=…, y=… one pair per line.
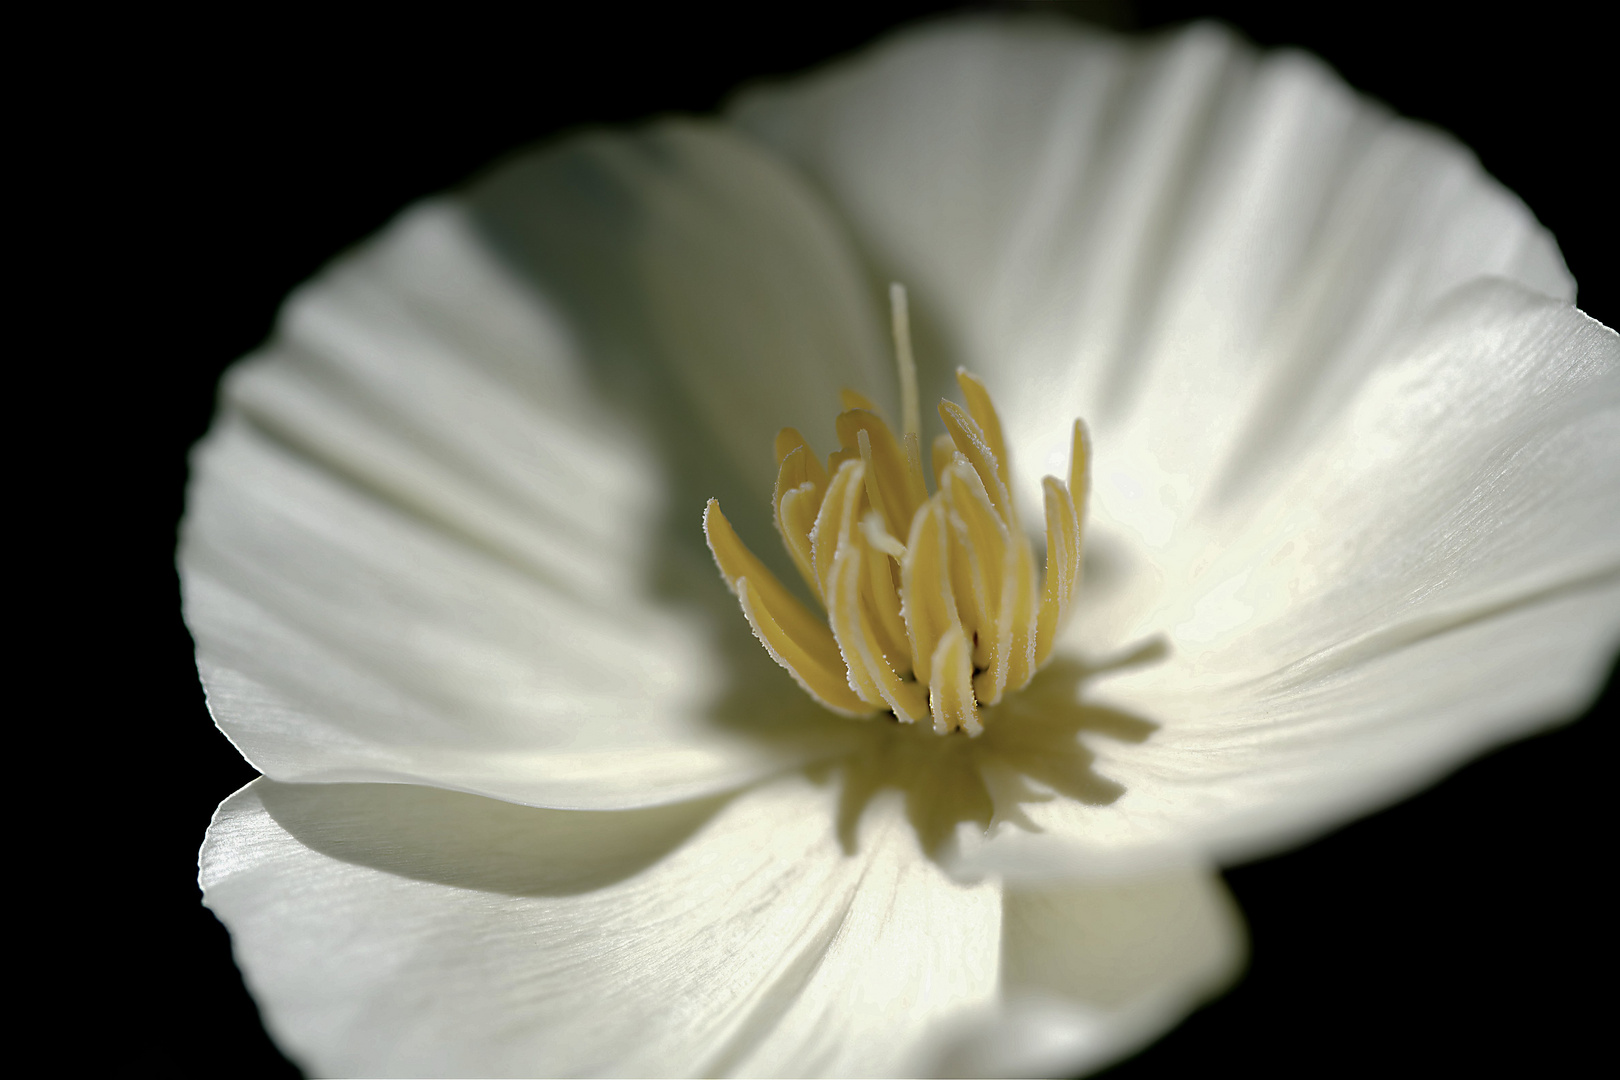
x=536, y=803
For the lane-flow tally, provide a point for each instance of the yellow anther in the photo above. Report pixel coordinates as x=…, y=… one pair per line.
x=914, y=473
x=789, y=440
x=971, y=443
x=854, y=399
x=874, y=490
x=950, y=688
x=842, y=498
x=983, y=412
x=899, y=495
x=1062, y=565
x=941, y=453
x=883, y=596
x=878, y=536
x=949, y=620
x=1080, y=471
x=977, y=540
x=800, y=483
x=928, y=602
x=862, y=659
x=736, y=563
x=821, y=681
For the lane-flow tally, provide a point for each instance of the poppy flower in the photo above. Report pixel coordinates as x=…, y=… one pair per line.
x=536, y=801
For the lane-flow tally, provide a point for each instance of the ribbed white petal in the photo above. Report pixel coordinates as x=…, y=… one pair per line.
x=398, y=930
x=1090, y=973
x=1441, y=573
x=705, y=276
x=1366, y=499
x=446, y=528
x=1334, y=467
x=1197, y=248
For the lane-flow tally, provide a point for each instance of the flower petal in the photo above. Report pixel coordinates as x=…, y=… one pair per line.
x=1198, y=248
x=445, y=530
x=703, y=269
x=1237, y=271
x=1441, y=574
x=401, y=930
x=1091, y=973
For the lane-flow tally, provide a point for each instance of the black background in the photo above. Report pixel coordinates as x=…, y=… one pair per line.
x=191, y=172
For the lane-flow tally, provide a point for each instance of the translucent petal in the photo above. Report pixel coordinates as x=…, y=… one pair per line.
x=422, y=541
x=1091, y=973
x=1441, y=574
x=399, y=930
x=1197, y=247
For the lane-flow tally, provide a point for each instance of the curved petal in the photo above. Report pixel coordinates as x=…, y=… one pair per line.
x=445, y=530
x=1091, y=973
x=1441, y=573
x=398, y=930
x=703, y=273
x=1198, y=248
x=1274, y=304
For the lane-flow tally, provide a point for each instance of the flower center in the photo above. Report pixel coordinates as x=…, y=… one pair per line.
x=951, y=617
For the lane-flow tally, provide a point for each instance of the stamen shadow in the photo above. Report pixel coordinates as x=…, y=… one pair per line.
x=1030, y=752
x=586, y=261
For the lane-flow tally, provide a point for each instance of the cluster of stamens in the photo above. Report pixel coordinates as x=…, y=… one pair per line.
x=933, y=604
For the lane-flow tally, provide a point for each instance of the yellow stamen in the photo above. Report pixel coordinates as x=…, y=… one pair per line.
x=860, y=655
x=1062, y=565
x=789, y=440
x=1012, y=637
x=854, y=399
x=824, y=683
x=928, y=603
x=874, y=488
x=842, y=496
x=737, y=563
x=883, y=597
x=950, y=691
x=971, y=444
x=941, y=453
x=800, y=483
x=953, y=618
x=983, y=412
x=897, y=497
x=1065, y=525
x=1080, y=471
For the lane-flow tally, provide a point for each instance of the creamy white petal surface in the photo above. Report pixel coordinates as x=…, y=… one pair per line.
x=1357, y=461
x=1089, y=973
x=1198, y=248
x=1355, y=515
x=400, y=930
x=446, y=531
x=1441, y=574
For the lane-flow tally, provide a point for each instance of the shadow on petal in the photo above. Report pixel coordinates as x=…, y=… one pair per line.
x=715, y=301
x=718, y=300
x=1030, y=752
x=471, y=842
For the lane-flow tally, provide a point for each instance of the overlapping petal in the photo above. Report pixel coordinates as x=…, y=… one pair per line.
x=1090, y=972
x=409, y=931
x=1441, y=573
x=1357, y=506
x=1199, y=248
x=1350, y=438
x=443, y=531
